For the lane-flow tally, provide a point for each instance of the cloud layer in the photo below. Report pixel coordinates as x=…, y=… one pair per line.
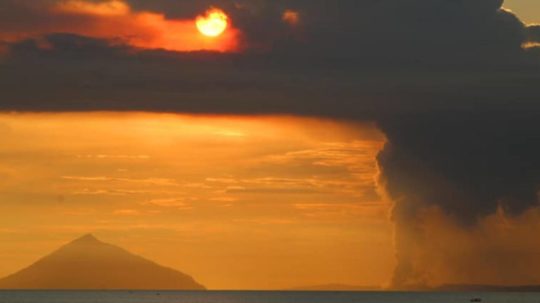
x=113, y=20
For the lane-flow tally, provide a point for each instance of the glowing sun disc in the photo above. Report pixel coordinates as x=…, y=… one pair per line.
x=213, y=23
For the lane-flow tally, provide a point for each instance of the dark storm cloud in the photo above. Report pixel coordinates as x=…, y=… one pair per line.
x=385, y=29
x=533, y=33
x=397, y=32
x=448, y=81
x=469, y=163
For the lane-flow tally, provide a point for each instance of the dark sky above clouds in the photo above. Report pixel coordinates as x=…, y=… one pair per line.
x=452, y=83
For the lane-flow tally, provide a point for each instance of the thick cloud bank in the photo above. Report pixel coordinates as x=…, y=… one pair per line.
x=467, y=165
x=452, y=83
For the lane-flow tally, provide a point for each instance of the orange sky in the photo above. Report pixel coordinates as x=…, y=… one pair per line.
x=117, y=21
x=260, y=202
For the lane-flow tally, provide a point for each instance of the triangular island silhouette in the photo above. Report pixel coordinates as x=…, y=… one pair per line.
x=90, y=264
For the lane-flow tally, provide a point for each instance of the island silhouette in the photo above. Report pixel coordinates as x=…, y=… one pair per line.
x=90, y=264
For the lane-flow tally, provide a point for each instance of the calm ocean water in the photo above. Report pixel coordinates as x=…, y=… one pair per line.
x=258, y=297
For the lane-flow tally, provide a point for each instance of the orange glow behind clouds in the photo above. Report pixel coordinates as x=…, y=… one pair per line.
x=110, y=8
x=291, y=17
x=115, y=19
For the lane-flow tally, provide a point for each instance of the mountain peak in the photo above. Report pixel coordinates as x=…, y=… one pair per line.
x=88, y=238
x=88, y=263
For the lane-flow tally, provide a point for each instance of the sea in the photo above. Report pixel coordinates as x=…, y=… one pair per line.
x=262, y=297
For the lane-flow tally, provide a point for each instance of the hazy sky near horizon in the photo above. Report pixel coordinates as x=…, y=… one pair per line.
x=235, y=202
x=355, y=141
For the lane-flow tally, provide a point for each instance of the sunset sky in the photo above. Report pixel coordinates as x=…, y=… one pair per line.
x=237, y=202
x=276, y=144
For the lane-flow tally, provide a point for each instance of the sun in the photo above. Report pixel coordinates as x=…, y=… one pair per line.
x=213, y=23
